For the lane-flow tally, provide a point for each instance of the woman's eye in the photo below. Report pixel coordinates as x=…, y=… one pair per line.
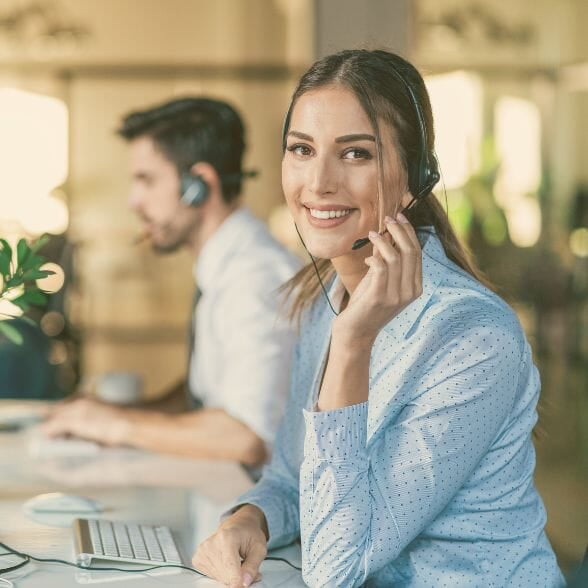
x=357, y=153
x=297, y=149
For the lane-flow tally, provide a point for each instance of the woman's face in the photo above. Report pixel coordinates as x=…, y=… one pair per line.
x=329, y=171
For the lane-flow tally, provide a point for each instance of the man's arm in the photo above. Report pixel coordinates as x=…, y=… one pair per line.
x=208, y=433
x=173, y=399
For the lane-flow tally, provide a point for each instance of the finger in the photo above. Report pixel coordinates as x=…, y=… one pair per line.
x=410, y=260
x=385, y=248
x=202, y=563
x=57, y=408
x=378, y=274
x=410, y=231
x=387, y=287
x=55, y=428
x=66, y=407
x=231, y=563
x=251, y=563
x=407, y=226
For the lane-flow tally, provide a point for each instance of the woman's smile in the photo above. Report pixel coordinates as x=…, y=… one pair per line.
x=327, y=216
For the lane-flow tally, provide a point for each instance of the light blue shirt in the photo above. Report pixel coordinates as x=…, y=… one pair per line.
x=430, y=482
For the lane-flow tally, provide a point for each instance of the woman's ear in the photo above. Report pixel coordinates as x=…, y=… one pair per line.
x=405, y=200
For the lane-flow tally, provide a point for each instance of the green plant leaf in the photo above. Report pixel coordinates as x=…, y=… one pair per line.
x=10, y=333
x=22, y=251
x=6, y=247
x=32, y=262
x=4, y=263
x=34, y=296
x=21, y=301
x=40, y=242
x=13, y=282
x=5, y=257
x=27, y=319
x=36, y=274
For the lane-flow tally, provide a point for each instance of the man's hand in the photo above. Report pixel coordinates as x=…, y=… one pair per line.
x=87, y=419
x=234, y=553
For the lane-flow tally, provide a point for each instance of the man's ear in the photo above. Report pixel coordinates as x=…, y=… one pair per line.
x=209, y=174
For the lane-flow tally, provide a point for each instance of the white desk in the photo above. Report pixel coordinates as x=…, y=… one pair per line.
x=187, y=495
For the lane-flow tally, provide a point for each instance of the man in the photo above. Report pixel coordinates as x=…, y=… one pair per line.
x=186, y=158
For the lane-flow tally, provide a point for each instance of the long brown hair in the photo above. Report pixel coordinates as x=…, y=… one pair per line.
x=371, y=76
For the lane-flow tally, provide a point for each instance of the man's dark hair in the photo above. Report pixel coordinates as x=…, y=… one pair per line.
x=189, y=130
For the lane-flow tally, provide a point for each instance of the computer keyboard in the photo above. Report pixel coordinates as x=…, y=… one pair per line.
x=99, y=539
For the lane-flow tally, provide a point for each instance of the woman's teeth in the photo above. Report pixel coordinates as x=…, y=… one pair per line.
x=328, y=213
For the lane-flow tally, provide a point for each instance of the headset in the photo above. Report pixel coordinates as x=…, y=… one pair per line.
x=194, y=189
x=423, y=174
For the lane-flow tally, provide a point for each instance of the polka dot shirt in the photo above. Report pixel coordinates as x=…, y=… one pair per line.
x=430, y=482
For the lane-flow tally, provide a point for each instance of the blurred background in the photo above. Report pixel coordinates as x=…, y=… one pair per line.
x=509, y=87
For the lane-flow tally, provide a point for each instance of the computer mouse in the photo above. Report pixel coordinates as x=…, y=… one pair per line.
x=57, y=502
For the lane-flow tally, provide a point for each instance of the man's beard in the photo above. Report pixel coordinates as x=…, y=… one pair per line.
x=173, y=239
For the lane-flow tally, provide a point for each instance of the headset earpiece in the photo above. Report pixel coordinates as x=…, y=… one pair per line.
x=194, y=190
x=424, y=176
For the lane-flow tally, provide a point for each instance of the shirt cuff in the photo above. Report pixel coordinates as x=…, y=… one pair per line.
x=279, y=520
x=338, y=434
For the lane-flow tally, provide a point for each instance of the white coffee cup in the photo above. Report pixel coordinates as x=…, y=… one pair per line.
x=119, y=387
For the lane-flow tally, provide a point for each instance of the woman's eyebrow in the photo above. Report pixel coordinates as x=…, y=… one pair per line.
x=342, y=139
x=355, y=137
x=300, y=135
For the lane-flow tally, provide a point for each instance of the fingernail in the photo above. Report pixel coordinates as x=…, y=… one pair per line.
x=402, y=218
x=373, y=235
x=247, y=579
x=389, y=220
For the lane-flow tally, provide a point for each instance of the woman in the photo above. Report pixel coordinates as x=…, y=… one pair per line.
x=405, y=456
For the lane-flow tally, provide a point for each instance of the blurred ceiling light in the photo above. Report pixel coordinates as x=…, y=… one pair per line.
x=517, y=127
x=579, y=242
x=53, y=283
x=34, y=155
x=456, y=99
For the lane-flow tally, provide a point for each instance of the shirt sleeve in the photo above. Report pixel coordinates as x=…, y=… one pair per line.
x=277, y=492
x=257, y=344
x=360, y=508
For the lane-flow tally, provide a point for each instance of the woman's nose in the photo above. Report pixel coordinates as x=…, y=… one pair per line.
x=323, y=177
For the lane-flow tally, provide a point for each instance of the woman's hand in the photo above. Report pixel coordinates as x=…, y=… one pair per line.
x=393, y=281
x=234, y=553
